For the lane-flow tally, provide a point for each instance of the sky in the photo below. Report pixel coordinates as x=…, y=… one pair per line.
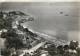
x=40, y=0
x=60, y=19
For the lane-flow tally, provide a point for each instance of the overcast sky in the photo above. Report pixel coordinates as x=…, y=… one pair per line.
x=61, y=19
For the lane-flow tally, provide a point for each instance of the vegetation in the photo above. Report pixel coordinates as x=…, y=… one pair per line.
x=13, y=39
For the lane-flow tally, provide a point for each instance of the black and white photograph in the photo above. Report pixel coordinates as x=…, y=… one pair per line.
x=40, y=29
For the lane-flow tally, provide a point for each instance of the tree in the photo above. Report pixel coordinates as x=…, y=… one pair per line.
x=73, y=44
x=52, y=49
x=60, y=49
x=66, y=47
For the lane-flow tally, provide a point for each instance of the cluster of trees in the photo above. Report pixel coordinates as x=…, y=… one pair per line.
x=13, y=39
x=6, y=18
x=72, y=49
